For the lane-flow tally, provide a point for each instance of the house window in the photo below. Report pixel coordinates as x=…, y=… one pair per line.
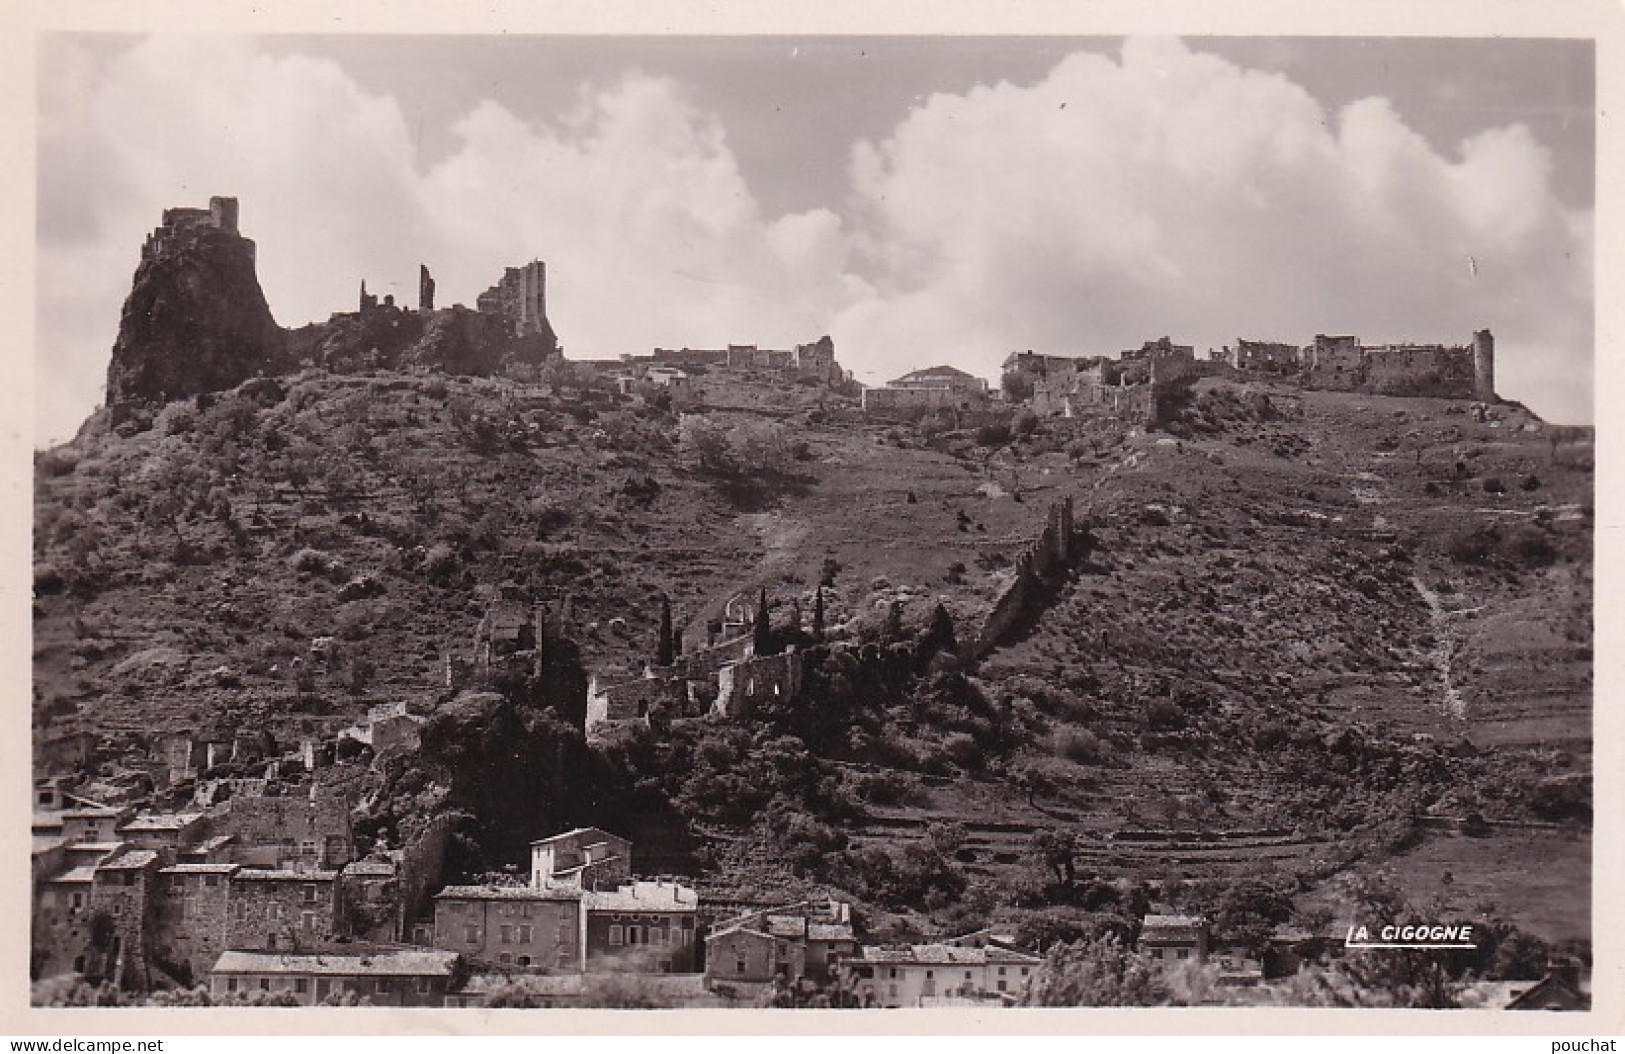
x=524, y=911
x=270, y=942
x=615, y=936
x=505, y=934
x=930, y=974
x=524, y=960
x=212, y=881
x=265, y=984
x=231, y=984
x=310, y=894
x=380, y=986
x=739, y=966
x=77, y=900
x=471, y=933
x=307, y=920
x=1001, y=971
x=505, y=959
x=301, y=985
x=1184, y=953
x=1001, y=986
x=1024, y=971
x=892, y=972
x=276, y=911
x=525, y=934
x=424, y=987
x=634, y=935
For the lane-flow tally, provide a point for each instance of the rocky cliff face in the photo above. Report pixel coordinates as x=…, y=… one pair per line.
x=195, y=321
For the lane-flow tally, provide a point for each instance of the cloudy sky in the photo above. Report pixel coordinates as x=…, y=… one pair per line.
x=922, y=200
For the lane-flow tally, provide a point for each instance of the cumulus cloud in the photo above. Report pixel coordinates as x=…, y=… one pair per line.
x=650, y=232
x=1162, y=191
x=1172, y=192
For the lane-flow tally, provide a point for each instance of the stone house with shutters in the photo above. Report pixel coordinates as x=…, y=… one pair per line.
x=191, y=916
x=789, y=943
x=281, y=910
x=395, y=978
x=512, y=926
x=939, y=974
x=1174, y=938
x=642, y=927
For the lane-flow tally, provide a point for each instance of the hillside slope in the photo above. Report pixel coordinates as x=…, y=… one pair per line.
x=1309, y=625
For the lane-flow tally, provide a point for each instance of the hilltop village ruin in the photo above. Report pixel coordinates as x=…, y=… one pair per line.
x=154, y=867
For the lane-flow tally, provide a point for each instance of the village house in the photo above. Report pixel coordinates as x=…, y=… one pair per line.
x=783, y=944
x=584, y=858
x=278, y=910
x=170, y=830
x=642, y=926
x=65, y=752
x=1174, y=938
x=930, y=388
x=397, y=978
x=94, y=823
x=123, y=891
x=515, y=926
x=938, y=974
x=302, y=831
x=191, y=917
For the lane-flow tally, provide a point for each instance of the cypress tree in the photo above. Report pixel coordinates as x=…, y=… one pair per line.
x=663, y=646
x=818, y=614
x=762, y=636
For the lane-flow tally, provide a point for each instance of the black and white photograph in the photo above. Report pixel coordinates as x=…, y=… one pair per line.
x=782, y=521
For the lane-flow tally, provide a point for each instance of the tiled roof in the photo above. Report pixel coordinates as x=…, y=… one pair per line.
x=830, y=931
x=416, y=963
x=169, y=821
x=370, y=869
x=256, y=874
x=644, y=896
x=82, y=873
x=577, y=831
x=198, y=869
x=786, y=926
x=129, y=861
x=508, y=893
x=946, y=955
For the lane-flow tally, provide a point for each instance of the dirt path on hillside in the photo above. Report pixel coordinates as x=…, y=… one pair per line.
x=782, y=540
x=1445, y=643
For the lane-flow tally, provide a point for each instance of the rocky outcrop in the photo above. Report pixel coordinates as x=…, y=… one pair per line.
x=196, y=319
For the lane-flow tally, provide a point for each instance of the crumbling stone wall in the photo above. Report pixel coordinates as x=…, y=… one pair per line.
x=1036, y=569
x=743, y=686
x=1425, y=370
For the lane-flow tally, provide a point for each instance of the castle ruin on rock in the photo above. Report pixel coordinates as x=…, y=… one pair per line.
x=196, y=319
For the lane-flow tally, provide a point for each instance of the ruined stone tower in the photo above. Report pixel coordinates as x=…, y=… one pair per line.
x=425, y=289
x=1484, y=366
x=196, y=319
